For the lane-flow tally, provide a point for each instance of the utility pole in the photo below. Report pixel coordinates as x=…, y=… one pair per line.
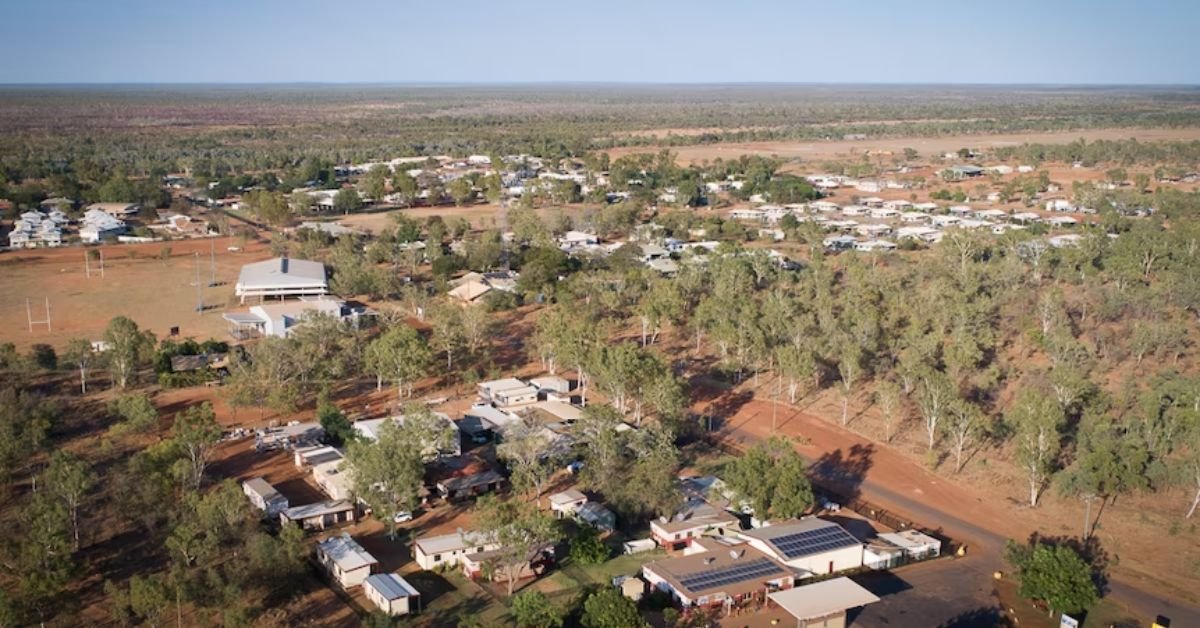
x=212, y=261
x=199, y=288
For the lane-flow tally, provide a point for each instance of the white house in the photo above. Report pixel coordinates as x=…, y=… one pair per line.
x=508, y=392
x=369, y=430
x=391, y=594
x=914, y=217
x=281, y=319
x=899, y=205
x=320, y=515
x=99, y=225
x=116, y=210
x=824, y=207
x=345, y=560
x=884, y=213
x=265, y=497
x=754, y=215
x=874, y=246
x=281, y=277
x=694, y=520
x=812, y=545
x=855, y=210
x=1025, y=217
x=873, y=231
x=449, y=550
x=565, y=504
x=1059, y=205
x=1061, y=221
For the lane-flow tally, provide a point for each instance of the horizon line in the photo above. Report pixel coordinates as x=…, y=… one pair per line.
x=579, y=83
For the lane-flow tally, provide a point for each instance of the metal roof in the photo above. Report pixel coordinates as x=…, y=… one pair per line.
x=282, y=272
x=391, y=586
x=804, y=537
x=820, y=599
x=346, y=553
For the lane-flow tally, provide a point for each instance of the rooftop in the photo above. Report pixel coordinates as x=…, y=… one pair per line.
x=346, y=552
x=282, y=272
x=391, y=586
x=318, y=509
x=823, y=598
x=734, y=571
x=431, y=545
x=803, y=537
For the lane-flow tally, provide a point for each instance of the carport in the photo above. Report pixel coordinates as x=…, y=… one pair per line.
x=823, y=604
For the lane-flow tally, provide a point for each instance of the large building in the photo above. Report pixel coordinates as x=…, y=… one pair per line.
x=813, y=546
x=282, y=277
x=281, y=319
x=718, y=571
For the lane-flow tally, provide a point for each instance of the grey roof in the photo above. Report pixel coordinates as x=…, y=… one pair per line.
x=346, y=552
x=391, y=586
x=823, y=598
x=308, y=511
x=262, y=488
x=282, y=272
x=451, y=542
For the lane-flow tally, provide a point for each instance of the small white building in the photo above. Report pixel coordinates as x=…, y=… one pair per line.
x=916, y=545
x=565, y=504
x=265, y=497
x=874, y=246
x=391, y=594
x=449, y=550
x=320, y=515
x=345, y=560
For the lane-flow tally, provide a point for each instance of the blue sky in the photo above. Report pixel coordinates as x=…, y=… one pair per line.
x=691, y=41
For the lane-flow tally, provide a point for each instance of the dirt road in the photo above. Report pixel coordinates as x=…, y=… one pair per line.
x=888, y=478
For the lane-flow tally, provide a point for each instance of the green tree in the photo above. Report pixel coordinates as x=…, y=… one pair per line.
x=532, y=609
x=80, y=354
x=1037, y=419
x=607, y=608
x=69, y=478
x=1055, y=575
x=461, y=191
x=587, y=548
x=375, y=182
x=138, y=415
x=196, y=434
x=529, y=450
x=338, y=429
x=347, y=200
x=400, y=355
x=387, y=473
x=128, y=349
x=521, y=530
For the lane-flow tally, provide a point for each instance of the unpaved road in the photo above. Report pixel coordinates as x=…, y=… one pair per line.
x=889, y=479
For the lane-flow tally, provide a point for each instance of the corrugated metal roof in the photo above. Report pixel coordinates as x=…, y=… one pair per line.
x=391, y=586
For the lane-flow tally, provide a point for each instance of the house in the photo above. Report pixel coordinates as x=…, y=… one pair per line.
x=565, y=504
x=281, y=319
x=855, y=210
x=962, y=172
x=281, y=277
x=1061, y=221
x=1025, y=218
x=868, y=185
x=914, y=217
x=884, y=213
x=464, y=477
x=345, y=560
x=265, y=497
x=391, y=594
x=448, y=550
x=944, y=221
x=823, y=603
x=369, y=430
x=308, y=457
x=874, y=246
x=116, y=210
x=291, y=436
x=321, y=515
x=1059, y=205
x=1067, y=240
x=470, y=292
x=331, y=479
x=479, y=565
x=991, y=214
x=98, y=225
x=597, y=516
x=840, y=243
x=925, y=234
x=552, y=387
x=899, y=205
x=872, y=231
x=812, y=545
x=925, y=207
x=482, y=420
x=825, y=207
x=961, y=211
x=722, y=573
x=694, y=520
x=508, y=392
x=753, y=215
x=575, y=239
x=916, y=545
x=871, y=201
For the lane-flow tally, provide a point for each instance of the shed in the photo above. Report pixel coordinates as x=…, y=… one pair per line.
x=566, y=503
x=345, y=560
x=282, y=277
x=264, y=496
x=391, y=593
x=914, y=543
x=823, y=603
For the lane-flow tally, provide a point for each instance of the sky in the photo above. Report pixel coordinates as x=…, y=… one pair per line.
x=646, y=41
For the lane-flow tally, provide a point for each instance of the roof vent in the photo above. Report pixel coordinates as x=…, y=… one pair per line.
x=283, y=265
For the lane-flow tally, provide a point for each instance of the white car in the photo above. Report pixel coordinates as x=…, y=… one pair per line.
x=403, y=517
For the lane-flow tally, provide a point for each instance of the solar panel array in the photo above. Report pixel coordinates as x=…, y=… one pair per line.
x=813, y=541
x=732, y=574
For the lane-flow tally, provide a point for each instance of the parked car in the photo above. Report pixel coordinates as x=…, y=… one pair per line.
x=403, y=517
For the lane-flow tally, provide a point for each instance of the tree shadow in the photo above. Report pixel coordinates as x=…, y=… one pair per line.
x=974, y=618
x=843, y=473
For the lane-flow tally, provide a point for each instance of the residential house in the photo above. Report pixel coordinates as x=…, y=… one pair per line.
x=294, y=435
x=823, y=604
x=508, y=392
x=480, y=565
x=369, y=430
x=345, y=560
x=265, y=497
x=874, y=246
x=751, y=215
x=565, y=504
x=98, y=225
x=694, y=520
x=308, y=457
x=597, y=515
x=116, y=210
x=321, y=515
x=464, y=477
x=333, y=480
x=282, y=319
x=391, y=594
x=448, y=550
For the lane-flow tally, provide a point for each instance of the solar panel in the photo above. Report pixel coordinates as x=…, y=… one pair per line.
x=732, y=574
x=813, y=541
